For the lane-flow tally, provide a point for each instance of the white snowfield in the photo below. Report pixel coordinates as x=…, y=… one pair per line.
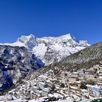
x=51, y=49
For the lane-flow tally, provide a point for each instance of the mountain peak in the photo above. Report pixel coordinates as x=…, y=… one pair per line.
x=28, y=41
x=67, y=36
x=25, y=38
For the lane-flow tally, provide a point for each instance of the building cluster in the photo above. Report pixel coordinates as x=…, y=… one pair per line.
x=60, y=84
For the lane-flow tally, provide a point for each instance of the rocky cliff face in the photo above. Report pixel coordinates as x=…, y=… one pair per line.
x=15, y=64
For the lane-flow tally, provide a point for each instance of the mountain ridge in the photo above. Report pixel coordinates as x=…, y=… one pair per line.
x=51, y=49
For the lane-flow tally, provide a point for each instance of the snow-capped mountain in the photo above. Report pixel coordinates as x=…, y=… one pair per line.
x=51, y=49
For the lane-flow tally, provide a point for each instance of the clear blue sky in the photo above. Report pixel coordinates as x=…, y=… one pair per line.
x=81, y=18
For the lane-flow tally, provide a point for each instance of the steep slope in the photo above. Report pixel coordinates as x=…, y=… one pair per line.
x=85, y=58
x=90, y=54
x=15, y=64
x=55, y=48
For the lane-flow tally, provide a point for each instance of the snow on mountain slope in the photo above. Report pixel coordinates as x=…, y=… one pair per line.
x=24, y=41
x=51, y=49
x=28, y=41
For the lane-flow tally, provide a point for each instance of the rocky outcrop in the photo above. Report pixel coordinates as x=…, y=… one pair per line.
x=15, y=64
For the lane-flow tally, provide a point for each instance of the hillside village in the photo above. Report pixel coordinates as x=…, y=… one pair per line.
x=59, y=84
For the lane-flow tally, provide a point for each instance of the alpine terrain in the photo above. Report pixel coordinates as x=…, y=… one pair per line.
x=50, y=69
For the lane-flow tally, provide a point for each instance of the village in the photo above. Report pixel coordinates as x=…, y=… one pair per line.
x=57, y=85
